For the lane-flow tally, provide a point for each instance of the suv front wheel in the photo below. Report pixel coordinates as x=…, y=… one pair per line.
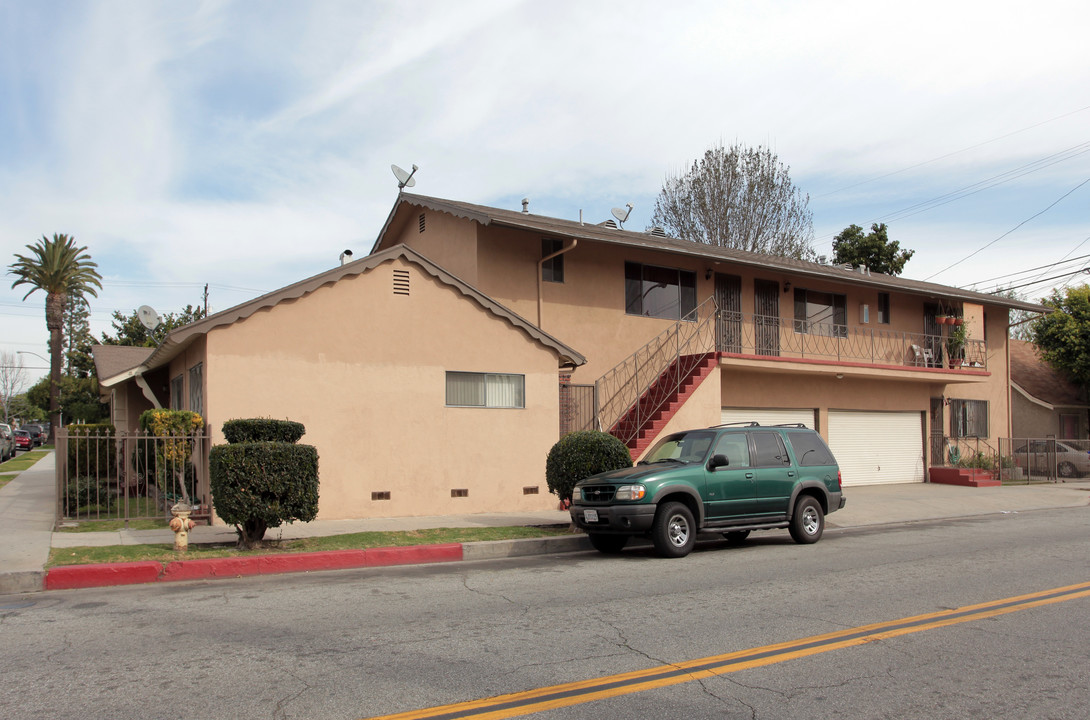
x=674, y=530
x=808, y=522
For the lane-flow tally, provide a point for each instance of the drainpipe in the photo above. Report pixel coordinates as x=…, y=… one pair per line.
x=540, y=264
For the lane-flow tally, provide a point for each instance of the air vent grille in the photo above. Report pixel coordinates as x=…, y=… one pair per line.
x=658, y=232
x=459, y=492
x=401, y=282
x=531, y=490
x=382, y=495
x=421, y=222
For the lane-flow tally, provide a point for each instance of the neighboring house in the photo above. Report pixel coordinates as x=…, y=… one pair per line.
x=1044, y=403
x=434, y=375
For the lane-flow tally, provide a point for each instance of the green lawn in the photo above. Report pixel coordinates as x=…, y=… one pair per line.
x=20, y=463
x=353, y=541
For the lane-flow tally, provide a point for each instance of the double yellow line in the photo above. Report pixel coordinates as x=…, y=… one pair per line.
x=557, y=696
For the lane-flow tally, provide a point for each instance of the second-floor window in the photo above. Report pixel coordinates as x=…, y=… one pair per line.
x=659, y=292
x=821, y=313
x=883, y=308
x=552, y=270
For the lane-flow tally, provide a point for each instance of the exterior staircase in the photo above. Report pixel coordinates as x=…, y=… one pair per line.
x=641, y=425
x=968, y=477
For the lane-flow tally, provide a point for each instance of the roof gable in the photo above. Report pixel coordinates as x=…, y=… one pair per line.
x=180, y=338
x=1036, y=378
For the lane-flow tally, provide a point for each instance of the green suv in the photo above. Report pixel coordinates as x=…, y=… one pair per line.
x=729, y=479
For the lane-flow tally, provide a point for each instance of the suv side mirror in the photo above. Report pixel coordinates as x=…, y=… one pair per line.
x=718, y=461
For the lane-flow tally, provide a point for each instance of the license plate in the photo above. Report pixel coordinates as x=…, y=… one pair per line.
x=590, y=516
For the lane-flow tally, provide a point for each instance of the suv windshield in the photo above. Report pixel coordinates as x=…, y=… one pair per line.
x=686, y=447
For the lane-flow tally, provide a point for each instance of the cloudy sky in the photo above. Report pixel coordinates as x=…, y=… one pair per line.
x=245, y=144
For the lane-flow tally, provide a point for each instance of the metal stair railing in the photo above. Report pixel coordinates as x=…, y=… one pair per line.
x=629, y=394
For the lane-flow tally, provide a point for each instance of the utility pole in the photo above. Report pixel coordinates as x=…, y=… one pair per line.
x=206, y=299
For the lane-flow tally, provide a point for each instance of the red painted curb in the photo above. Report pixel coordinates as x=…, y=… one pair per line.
x=105, y=574
x=84, y=576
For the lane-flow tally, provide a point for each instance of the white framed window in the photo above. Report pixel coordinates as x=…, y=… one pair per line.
x=821, y=313
x=968, y=418
x=486, y=390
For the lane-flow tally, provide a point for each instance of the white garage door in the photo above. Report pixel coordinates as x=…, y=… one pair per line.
x=877, y=447
x=767, y=416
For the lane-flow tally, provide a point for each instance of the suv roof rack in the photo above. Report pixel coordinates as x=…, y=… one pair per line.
x=748, y=423
x=794, y=425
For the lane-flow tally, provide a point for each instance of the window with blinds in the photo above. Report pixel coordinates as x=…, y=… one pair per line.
x=486, y=390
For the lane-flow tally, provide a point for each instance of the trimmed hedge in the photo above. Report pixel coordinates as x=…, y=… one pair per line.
x=88, y=492
x=252, y=430
x=259, y=485
x=578, y=455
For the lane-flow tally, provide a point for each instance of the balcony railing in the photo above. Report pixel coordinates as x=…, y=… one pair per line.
x=767, y=336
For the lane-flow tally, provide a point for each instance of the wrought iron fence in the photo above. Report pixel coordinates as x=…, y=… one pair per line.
x=662, y=364
x=770, y=336
x=1043, y=459
x=576, y=408
x=129, y=476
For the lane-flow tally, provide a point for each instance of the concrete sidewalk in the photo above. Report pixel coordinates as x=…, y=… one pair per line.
x=27, y=506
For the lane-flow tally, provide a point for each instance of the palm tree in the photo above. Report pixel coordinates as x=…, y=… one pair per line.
x=60, y=269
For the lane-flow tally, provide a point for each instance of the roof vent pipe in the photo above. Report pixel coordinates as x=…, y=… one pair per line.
x=526, y=205
x=346, y=257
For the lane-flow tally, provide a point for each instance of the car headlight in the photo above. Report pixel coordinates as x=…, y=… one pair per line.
x=630, y=492
x=576, y=495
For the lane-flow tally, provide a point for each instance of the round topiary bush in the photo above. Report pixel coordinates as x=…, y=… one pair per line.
x=579, y=455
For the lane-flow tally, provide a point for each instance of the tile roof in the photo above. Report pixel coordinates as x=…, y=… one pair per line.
x=599, y=233
x=1035, y=377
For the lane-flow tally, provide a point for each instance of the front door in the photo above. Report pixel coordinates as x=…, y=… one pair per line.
x=937, y=448
x=766, y=316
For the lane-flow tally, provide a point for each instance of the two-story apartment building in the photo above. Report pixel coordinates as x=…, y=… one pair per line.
x=434, y=374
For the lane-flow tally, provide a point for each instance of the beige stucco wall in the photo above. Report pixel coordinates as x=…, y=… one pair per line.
x=364, y=370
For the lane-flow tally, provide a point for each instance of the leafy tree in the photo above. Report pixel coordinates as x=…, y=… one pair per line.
x=738, y=197
x=1063, y=336
x=78, y=398
x=873, y=250
x=1021, y=321
x=12, y=380
x=128, y=330
x=59, y=269
x=78, y=338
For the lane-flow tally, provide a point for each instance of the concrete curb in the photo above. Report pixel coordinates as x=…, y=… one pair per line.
x=70, y=577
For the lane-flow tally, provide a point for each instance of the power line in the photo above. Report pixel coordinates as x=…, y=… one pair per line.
x=951, y=154
x=993, y=242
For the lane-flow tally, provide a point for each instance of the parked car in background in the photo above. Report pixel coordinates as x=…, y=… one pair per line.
x=7, y=441
x=37, y=436
x=23, y=440
x=1045, y=457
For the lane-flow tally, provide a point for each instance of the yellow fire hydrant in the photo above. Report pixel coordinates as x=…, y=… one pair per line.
x=181, y=525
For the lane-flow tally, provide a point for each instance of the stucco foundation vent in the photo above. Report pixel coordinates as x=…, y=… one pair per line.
x=530, y=490
x=459, y=492
x=421, y=222
x=384, y=495
x=401, y=282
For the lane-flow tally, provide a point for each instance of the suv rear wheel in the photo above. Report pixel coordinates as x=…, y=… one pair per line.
x=609, y=544
x=674, y=530
x=808, y=522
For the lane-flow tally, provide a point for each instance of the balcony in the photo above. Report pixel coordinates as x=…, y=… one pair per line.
x=762, y=337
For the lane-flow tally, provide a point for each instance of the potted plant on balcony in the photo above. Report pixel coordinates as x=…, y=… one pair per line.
x=955, y=344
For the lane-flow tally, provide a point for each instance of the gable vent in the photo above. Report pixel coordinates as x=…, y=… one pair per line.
x=658, y=232
x=401, y=282
x=421, y=222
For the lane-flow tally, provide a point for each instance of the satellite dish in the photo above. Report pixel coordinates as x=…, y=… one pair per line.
x=404, y=179
x=622, y=214
x=148, y=317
